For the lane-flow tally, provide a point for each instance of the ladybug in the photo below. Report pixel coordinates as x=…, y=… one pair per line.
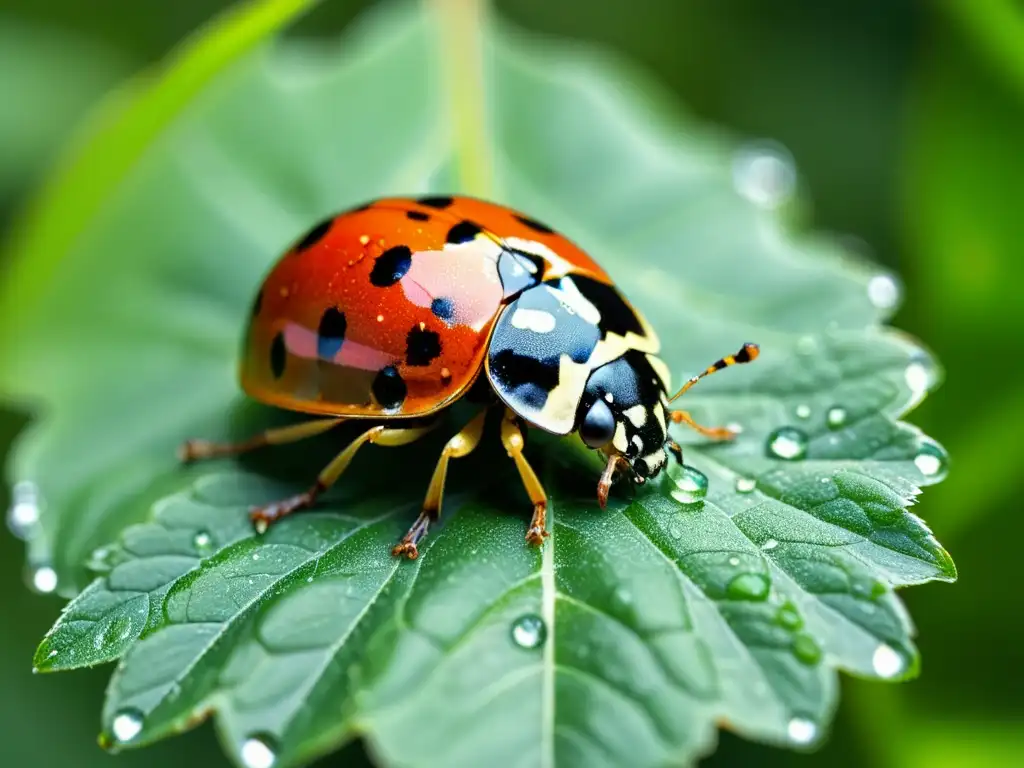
x=393, y=311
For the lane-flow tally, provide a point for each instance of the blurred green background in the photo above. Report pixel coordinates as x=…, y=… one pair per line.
x=906, y=121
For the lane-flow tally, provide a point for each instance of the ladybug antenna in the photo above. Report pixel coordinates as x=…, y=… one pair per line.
x=747, y=353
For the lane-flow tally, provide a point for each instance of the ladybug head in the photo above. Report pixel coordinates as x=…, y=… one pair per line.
x=623, y=414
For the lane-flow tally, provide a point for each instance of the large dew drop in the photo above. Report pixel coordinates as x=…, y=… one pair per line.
x=806, y=649
x=748, y=586
x=801, y=730
x=529, y=631
x=886, y=662
x=690, y=485
x=931, y=460
x=788, y=443
x=127, y=725
x=258, y=752
x=883, y=291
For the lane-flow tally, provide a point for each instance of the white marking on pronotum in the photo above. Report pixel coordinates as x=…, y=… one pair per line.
x=637, y=415
x=638, y=443
x=536, y=320
x=659, y=414
x=619, y=440
x=570, y=297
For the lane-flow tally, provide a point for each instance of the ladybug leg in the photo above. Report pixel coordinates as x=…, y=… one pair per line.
x=715, y=433
x=192, y=450
x=263, y=516
x=462, y=444
x=675, y=449
x=512, y=439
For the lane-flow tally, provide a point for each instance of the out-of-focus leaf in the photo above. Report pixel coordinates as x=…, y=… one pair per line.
x=655, y=620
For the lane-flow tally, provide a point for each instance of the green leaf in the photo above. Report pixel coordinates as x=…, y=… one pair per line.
x=638, y=630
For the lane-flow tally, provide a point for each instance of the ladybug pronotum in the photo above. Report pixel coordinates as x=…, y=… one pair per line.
x=390, y=313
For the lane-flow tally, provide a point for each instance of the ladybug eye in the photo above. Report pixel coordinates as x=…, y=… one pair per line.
x=598, y=425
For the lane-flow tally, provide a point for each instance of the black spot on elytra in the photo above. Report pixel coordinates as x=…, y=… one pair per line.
x=463, y=232
x=422, y=346
x=388, y=388
x=258, y=303
x=417, y=215
x=442, y=308
x=314, y=236
x=535, y=225
x=440, y=202
x=331, y=333
x=529, y=378
x=391, y=266
x=278, y=355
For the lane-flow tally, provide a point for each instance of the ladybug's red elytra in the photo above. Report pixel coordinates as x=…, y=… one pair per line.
x=391, y=311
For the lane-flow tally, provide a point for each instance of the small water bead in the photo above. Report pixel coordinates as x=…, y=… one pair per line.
x=764, y=173
x=44, y=579
x=803, y=411
x=691, y=485
x=735, y=427
x=920, y=378
x=23, y=514
x=769, y=544
x=202, y=541
x=835, y=417
x=883, y=291
x=801, y=730
x=806, y=649
x=529, y=631
x=788, y=443
x=931, y=460
x=748, y=586
x=127, y=724
x=886, y=662
x=745, y=484
x=734, y=561
x=258, y=752
x=789, y=617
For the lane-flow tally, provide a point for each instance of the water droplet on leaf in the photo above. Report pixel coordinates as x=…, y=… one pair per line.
x=528, y=631
x=803, y=411
x=806, y=649
x=883, y=291
x=23, y=514
x=258, y=752
x=769, y=544
x=127, y=724
x=886, y=662
x=931, y=460
x=787, y=443
x=691, y=485
x=748, y=586
x=789, y=617
x=801, y=730
x=764, y=174
x=745, y=484
x=835, y=417
x=202, y=541
x=44, y=579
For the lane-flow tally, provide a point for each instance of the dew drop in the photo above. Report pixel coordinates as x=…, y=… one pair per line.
x=787, y=443
x=801, y=730
x=920, y=378
x=23, y=514
x=691, y=485
x=745, y=484
x=764, y=173
x=258, y=752
x=835, y=417
x=931, y=460
x=255, y=556
x=202, y=541
x=886, y=662
x=789, y=617
x=806, y=345
x=883, y=291
x=734, y=561
x=44, y=579
x=769, y=544
x=127, y=725
x=806, y=649
x=803, y=411
x=735, y=427
x=528, y=631
x=748, y=586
